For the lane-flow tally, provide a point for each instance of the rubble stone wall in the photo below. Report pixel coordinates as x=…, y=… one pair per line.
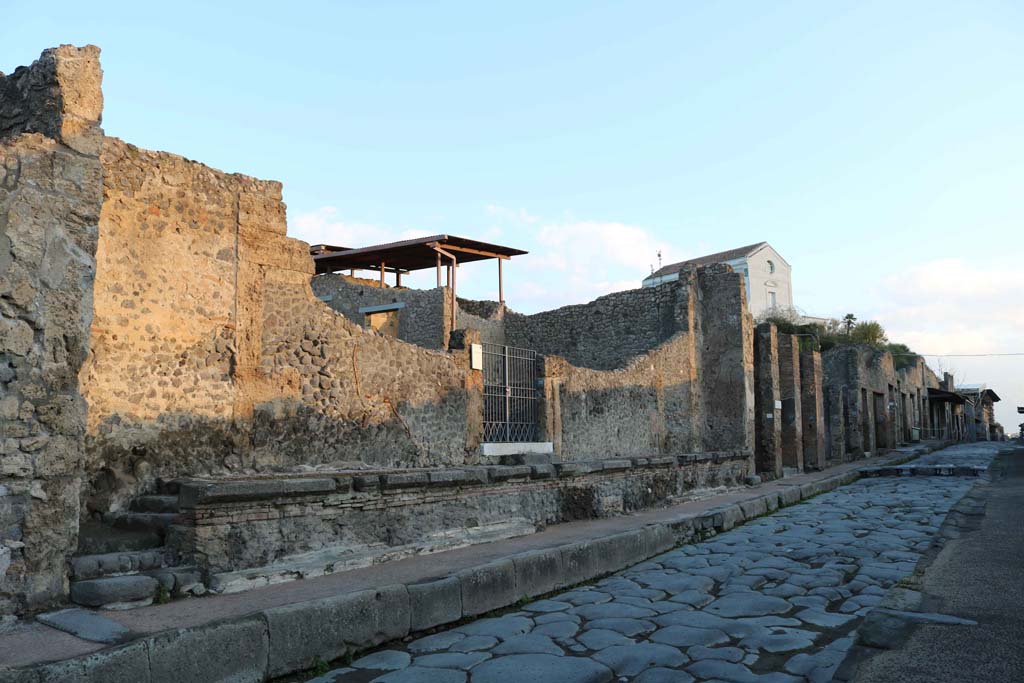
x=768, y=400
x=424, y=318
x=692, y=392
x=50, y=193
x=211, y=353
x=607, y=333
x=867, y=399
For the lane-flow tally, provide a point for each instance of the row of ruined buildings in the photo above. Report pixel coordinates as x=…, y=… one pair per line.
x=194, y=400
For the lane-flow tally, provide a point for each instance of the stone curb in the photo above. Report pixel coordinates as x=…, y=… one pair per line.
x=291, y=638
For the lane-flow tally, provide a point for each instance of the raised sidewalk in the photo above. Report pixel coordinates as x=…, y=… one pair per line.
x=281, y=629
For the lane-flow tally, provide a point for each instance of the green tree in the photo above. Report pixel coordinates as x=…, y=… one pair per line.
x=869, y=332
x=849, y=321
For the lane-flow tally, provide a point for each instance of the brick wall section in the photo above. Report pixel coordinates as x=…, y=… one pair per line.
x=812, y=411
x=768, y=419
x=50, y=190
x=789, y=390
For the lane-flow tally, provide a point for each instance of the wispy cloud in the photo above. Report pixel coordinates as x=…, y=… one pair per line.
x=949, y=306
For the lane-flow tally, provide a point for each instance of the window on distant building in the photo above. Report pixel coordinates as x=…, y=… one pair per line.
x=771, y=299
x=771, y=266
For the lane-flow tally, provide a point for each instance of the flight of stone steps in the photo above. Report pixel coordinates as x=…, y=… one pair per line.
x=125, y=561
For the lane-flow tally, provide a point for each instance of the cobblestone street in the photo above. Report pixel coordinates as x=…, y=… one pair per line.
x=776, y=600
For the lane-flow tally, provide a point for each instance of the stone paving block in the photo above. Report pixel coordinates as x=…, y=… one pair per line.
x=539, y=572
x=541, y=669
x=434, y=603
x=488, y=587
x=233, y=651
x=86, y=624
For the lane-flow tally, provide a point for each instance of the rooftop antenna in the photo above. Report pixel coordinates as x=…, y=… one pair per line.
x=659, y=259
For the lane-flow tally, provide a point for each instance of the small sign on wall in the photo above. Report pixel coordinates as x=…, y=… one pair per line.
x=476, y=356
x=778, y=405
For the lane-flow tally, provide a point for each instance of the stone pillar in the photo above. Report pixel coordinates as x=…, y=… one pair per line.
x=51, y=188
x=767, y=404
x=835, y=411
x=726, y=366
x=789, y=389
x=812, y=410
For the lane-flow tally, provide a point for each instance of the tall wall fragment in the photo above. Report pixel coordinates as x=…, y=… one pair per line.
x=768, y=402
x=50, y=194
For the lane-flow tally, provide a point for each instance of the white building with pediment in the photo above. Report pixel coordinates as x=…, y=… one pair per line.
x=768, y=275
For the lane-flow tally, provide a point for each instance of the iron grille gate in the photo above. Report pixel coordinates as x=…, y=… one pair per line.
x=510, y=394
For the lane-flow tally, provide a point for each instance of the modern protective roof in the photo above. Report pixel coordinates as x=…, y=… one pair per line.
x=719, y=257
x=407, y=255
x=946, y=396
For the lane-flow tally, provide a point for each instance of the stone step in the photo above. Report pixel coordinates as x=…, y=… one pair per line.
x=115, y=592
x=119, y=563
x=169, y=487
x=162, y=503
x=96, y=538
x=155, y=522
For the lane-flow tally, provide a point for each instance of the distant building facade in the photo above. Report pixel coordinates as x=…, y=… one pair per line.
x=768, y=276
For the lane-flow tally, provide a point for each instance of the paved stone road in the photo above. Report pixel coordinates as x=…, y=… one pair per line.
x=774, y=601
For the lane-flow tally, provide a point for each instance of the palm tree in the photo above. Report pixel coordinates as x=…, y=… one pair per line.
x=849, y=320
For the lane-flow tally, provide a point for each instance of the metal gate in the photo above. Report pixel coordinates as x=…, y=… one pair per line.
x=510, y=394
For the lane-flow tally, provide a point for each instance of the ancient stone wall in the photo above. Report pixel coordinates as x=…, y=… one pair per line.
x=248, y=532
x=424, y=318
x=868, y=401
x=725, y=347
x=812, y=411
x=789, y=391
x=693, y=392
x=211, y=353
x=50, y=193
x=768, y=400
x=606, y=333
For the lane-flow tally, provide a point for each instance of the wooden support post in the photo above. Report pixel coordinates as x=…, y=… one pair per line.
x=438, y=269
x=448, y=276
x=501, y=291
x=454, y=269
x=382, y=275
x=398, y=278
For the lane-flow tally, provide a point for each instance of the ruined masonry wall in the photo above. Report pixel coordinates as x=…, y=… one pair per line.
x=211, y=353
x=606, y=333
x=424, y=320
x=50, y=182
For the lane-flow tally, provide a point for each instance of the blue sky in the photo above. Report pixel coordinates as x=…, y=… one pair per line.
x=879, y=146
